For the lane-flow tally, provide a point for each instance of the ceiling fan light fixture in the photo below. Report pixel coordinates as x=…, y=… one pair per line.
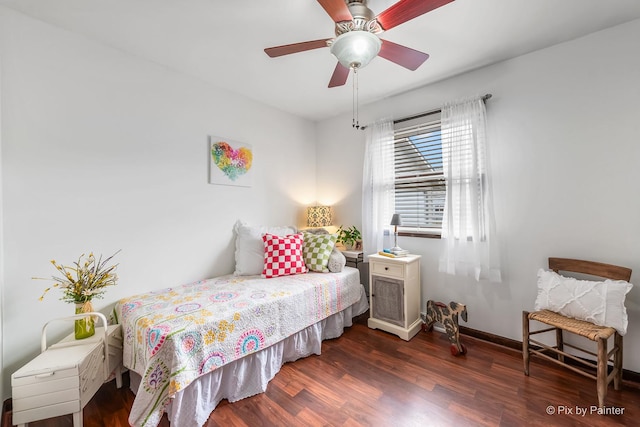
x=355, y=49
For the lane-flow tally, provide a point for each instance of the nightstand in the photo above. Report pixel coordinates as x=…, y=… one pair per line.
x=395, y=295
x=354, y=258
x=64, y=377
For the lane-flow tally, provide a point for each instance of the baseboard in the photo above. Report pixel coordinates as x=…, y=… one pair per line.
x=495, y=339
x=627, y=375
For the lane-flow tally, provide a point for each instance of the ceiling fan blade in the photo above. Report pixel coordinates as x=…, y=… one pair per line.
x=405, y=10
x=337, y=10
x=340, y=75
x=295, y=48
x=402, y=55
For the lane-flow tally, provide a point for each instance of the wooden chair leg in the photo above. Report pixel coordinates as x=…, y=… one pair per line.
x=525, y=341
x=602, y=371
x=617, y=361
x=560, y=344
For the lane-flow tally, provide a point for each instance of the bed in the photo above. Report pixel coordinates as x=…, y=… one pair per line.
x=191, y=346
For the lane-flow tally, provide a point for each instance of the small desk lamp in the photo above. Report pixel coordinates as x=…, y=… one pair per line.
x=396, y=221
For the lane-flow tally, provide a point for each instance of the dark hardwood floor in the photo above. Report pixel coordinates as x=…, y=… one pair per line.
x=371, y=378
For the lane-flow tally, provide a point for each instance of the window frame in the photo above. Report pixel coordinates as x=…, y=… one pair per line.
x=404, y=129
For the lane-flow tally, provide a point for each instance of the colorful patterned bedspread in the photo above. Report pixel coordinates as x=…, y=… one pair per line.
x=175, y=335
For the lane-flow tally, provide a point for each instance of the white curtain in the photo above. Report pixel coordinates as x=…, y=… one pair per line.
x=378, y=195
x=468, y=231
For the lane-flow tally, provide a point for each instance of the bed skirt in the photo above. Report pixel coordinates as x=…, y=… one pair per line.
x=250, y=375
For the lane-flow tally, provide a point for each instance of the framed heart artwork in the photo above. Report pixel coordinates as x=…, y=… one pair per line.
x=230, y=162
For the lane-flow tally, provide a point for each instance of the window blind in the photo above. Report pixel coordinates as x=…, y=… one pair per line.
x=419, y=182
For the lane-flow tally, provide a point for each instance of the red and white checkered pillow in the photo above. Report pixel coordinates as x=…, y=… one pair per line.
x=283, y=255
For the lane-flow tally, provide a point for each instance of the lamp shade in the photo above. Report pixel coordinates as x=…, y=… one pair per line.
x=396, y=220
x=355, y=49
x=318, y=216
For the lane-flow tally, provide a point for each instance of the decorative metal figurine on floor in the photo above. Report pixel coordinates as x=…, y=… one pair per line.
x=447, y=315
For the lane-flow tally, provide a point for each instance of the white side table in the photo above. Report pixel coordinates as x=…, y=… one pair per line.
x=395, y=295
x=64, y=377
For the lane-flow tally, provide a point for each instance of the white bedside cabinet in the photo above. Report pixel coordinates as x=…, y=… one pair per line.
x=64, y=377
x=395, y=295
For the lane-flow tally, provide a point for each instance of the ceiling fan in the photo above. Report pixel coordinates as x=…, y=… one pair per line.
x=357, y=42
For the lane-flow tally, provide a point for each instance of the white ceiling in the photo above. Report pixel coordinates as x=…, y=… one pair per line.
x=222, y=42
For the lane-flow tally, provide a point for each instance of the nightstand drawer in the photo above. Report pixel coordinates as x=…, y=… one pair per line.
x=391, y=270
x=44, y=378
x=47, y=399
x=40, y=413
x=42, y=387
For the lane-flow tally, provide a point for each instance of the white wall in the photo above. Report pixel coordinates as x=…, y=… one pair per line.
x=564, y=147
x=104, y=151
x=1, y=234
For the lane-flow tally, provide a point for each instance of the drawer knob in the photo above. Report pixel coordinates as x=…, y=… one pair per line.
x=386, y=268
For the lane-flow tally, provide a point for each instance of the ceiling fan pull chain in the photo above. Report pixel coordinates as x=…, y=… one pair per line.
x=353, y=102
x=356, y=113
x=355, y=73
x=353, y=99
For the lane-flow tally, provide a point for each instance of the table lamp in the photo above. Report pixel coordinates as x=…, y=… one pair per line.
x=396, y=221
x=319, y=216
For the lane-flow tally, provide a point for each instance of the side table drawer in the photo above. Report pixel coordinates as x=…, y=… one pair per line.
x=43, y=412
x=389, y=270
x=45, y=380
x=47, y=399
x=22, y=392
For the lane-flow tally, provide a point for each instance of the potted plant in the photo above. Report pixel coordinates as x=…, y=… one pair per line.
x=348, y=236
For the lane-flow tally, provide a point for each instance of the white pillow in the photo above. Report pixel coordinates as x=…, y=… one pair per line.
x=601, y=303
x=337, y=261
x=250, y=247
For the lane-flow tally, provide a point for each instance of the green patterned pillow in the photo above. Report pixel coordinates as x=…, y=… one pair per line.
x=317, y=249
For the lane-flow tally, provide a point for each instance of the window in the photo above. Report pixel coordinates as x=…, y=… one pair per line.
x=419, y=182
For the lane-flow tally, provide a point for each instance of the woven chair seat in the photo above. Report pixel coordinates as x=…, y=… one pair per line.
x=579, y=327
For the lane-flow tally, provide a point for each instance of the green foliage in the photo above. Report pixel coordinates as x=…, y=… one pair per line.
x=348, y=236
x=86, y=279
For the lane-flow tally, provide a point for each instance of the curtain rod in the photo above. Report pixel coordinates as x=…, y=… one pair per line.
x=428, y=113
x=434, y=111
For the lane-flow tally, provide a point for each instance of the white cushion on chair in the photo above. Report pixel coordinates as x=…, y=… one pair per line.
x=601, y=303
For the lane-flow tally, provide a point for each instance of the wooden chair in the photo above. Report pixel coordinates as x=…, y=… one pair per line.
x=560, y=323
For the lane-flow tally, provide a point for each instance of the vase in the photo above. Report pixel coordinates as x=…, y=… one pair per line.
x=85, y=327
